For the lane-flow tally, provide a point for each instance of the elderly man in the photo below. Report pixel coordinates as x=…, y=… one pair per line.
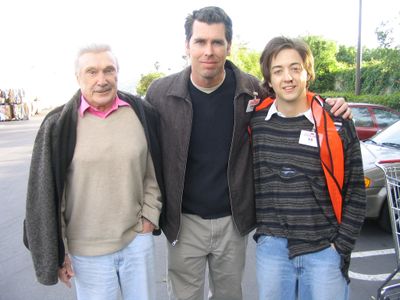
x=93, y=193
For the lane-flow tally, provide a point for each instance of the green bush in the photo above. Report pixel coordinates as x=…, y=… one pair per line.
x=375, y=79
x=392, y=100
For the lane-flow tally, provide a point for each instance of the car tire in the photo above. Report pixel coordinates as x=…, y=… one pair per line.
x=384, y=218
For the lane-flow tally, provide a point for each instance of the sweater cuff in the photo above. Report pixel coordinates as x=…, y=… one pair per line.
x=152, y=215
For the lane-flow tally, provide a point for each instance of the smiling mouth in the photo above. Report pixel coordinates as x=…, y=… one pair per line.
x=209, y=62
x=289, y=88
x=102, y=91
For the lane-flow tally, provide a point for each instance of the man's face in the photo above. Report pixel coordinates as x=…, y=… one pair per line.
x=97, y=78
x=207, y=50
x=288, y=76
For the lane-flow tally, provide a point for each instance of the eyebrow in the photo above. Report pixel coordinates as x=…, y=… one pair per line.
x=291, y=65
x=200, y=39
x=109, y=68
x=89, y=68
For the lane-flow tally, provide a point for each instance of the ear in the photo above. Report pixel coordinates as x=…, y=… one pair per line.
x=269, y=84
x=228, y=49
x=187, y=48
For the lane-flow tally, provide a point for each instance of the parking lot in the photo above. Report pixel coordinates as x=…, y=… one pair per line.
x=373, y=258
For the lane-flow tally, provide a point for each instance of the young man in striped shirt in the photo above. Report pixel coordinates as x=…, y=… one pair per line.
x=310, y=197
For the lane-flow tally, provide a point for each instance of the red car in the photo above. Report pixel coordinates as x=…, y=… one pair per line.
x=371, y=118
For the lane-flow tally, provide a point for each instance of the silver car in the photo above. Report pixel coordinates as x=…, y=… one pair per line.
x=382, y=146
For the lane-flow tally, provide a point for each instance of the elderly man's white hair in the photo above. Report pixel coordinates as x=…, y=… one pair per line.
x=93, y=48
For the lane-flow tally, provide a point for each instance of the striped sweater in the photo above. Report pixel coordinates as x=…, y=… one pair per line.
x=292, y=200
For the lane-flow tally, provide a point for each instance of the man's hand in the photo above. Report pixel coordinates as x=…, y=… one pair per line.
x=65, y=273
x=340, y=107
x=147, y=226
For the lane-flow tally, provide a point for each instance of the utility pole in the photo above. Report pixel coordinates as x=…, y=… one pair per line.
x=359, y=52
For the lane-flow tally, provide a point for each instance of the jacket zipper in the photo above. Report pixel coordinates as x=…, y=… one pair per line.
x=229, y=159
x=183, y=180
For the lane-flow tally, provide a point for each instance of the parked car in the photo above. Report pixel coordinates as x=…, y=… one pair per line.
x=371, y=118
x=383, y=146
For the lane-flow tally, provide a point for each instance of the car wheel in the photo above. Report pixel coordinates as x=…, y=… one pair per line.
x=384, y=218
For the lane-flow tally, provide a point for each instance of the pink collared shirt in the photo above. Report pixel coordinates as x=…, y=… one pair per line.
x=86, y=107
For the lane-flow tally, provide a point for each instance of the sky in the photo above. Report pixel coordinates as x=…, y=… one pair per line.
x=40, y=38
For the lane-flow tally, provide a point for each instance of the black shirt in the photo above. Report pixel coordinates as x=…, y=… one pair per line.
x=206, y=191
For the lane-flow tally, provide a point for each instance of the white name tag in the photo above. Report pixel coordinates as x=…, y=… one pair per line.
x=251, y=104
x=308, y=138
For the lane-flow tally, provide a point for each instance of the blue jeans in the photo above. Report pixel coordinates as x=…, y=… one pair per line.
x=306, y=277
x=129, y=271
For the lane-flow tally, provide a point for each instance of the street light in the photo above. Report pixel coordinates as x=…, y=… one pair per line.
x=359, y=51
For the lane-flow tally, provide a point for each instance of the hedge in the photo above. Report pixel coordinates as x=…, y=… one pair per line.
x=390, y=100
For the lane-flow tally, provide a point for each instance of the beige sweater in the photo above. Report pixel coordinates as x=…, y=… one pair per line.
x=110, y=185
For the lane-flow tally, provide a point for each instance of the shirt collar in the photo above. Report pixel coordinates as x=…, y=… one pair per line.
x=273, y=110
x=210, y=89
x=86, y=107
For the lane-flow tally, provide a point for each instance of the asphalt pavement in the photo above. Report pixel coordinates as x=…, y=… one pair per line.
x=374, y=250
x=17, y=278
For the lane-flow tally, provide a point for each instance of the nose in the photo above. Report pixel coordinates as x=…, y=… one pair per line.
x=208, y=51
x=287, y=75
x=101, y=79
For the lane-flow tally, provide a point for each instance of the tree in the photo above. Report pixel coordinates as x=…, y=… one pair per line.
x=146, y=80
x=346, y=55
x=325, y=63
x=246, y=59
x=384, y=35
x=389, y=56
x=324, y=52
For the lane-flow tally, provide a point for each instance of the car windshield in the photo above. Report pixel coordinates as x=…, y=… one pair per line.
x=389, y=137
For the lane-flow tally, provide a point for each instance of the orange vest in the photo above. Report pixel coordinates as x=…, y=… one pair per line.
x=330, y=150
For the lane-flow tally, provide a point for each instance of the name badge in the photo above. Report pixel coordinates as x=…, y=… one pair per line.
x=251, y=104
x=308, y=138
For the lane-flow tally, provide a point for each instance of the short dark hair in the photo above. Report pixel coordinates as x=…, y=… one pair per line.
x=209, y=15
x=273, y=48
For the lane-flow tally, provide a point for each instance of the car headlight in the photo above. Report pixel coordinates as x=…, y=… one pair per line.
x=367, y=182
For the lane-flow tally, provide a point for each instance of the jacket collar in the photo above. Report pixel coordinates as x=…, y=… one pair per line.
x=180, y=86
x=68, y=109
x=243, y=81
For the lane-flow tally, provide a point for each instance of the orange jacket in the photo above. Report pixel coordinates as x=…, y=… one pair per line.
x=330, y=149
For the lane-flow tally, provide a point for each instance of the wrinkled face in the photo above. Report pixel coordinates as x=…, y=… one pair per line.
x=207, y=50
x=288, y=76
x=97, y=77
